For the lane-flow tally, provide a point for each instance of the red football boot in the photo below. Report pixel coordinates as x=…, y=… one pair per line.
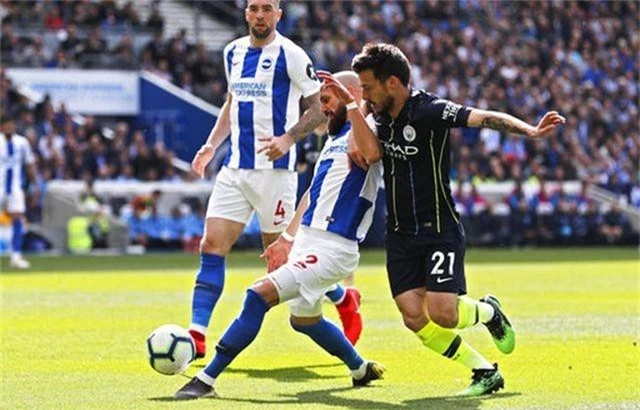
x=349, y=311
x=201, y=343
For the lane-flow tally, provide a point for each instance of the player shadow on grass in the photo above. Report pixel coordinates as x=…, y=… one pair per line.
x=328, y=397
x=285, y=374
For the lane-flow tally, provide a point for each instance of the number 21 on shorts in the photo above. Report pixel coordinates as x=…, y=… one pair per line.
x=439, y=258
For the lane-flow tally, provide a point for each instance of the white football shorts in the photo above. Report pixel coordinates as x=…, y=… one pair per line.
x=270, y=192
x=13, y=202
x=318, y=260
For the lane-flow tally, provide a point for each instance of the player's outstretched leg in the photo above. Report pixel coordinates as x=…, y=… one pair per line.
x=503, y=333
x=486, y=378
x=333, y=341
x=236, y=338
x=207, y=291
x=347, y=301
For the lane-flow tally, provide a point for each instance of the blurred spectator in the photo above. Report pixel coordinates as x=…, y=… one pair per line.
x=615, y=227
x=98, y=228
x=175, y=227
x=35, y=54
x=564, y=222
x=516, y=197
x=71, y=43
x=53, y=20
x=164, y=232
x=586, y=226
x=162, y=70
x=524, y=223
x=194, y=226
x=155, y=20
x=93, y=50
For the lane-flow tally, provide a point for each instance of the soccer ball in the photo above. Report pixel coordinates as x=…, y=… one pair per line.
x=171, y=349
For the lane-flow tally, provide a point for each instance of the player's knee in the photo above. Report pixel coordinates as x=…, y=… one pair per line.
x=414, y=322
x=209, y=244
x=445, y=319
x=266, y=290
x=301, y=324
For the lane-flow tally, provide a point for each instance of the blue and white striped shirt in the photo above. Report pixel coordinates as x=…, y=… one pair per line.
x=14, y=155
x=266, y=85
x=342, y=196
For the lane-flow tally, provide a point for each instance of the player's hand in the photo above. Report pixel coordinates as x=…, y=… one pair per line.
x=329, y=81
x=277, y=254
x=276, y=147
x=201, y=159
x=354, y=154
x=549, y=122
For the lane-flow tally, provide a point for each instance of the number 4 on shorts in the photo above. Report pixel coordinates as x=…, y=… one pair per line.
x=279, y=214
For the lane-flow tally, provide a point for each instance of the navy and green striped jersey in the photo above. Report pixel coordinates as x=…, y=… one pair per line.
x=416, y=162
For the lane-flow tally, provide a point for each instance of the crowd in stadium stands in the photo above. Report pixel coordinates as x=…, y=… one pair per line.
x=520, y=57
x=182, y=229
x=543, y=218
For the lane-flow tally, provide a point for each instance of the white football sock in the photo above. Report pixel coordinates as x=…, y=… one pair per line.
x=360, y=371
x=205, y=378
x=485, y=312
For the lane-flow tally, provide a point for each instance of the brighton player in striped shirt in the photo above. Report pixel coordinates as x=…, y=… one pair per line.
x=267, y=75
x=15, y=157
x=333, y=217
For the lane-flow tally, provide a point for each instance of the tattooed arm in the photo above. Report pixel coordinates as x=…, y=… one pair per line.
x=278, y=146
x=310, y=119
x=508, y=123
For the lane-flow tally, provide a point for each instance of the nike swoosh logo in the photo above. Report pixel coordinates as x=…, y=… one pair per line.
x=276, y=223
x=443, y=280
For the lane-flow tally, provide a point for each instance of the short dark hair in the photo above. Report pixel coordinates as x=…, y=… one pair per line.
x=385, y=60
x=276, y=3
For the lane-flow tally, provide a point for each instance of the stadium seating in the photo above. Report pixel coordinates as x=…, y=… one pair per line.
x=574, y=57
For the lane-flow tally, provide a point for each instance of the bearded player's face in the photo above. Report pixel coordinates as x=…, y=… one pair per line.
x=334, y=110
x=262, y=17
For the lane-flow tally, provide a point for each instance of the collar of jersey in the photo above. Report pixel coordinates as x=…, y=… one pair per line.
x=345, y=128
x=404, y=112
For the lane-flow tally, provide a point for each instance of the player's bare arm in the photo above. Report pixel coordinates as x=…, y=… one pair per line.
x=310, y=119
x=218, y=133
x=277, y=147
x=365, y=139
x=277, y=253
x=500, y=121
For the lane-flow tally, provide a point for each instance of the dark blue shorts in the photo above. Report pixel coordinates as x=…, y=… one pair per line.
x=427, y=260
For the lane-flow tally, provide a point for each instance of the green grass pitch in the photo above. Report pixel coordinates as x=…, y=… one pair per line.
x=74, y=330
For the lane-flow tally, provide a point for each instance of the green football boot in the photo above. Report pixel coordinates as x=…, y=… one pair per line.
x=503, y=333
x=484, y=381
